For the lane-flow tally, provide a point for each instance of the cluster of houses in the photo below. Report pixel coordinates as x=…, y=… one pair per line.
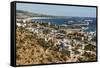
x=62, y=40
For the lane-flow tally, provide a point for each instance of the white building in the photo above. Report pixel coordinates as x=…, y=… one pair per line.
x=33, y=29
x=18, y=24
x=21, y=24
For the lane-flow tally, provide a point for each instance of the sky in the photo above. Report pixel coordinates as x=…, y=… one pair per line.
x=58, y=10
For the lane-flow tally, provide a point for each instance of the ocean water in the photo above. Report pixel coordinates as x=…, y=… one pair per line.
x=58, y=21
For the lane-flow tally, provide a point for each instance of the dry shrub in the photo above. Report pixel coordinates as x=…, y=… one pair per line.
x=30, y=51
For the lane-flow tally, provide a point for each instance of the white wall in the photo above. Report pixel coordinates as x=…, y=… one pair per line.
x=5, y=34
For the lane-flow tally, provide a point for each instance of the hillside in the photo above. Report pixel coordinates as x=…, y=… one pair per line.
x=32, y=14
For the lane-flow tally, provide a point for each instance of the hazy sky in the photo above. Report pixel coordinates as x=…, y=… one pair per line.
x=58, y=10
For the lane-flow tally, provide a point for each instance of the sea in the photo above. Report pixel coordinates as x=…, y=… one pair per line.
x=60, y=21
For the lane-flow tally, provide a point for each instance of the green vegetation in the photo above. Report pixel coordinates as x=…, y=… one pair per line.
x=88, y=57
x=46, y=31
x=90, y=47
x=45, y=44
x=44, y=24
x=63, y=31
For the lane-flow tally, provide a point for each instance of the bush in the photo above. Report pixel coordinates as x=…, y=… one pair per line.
x=90, y=47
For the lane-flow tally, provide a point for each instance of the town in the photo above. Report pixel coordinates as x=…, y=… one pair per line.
x=69, y=40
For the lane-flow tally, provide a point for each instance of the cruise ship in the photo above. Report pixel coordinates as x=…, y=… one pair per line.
x=77, y=23
x=76, y=26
